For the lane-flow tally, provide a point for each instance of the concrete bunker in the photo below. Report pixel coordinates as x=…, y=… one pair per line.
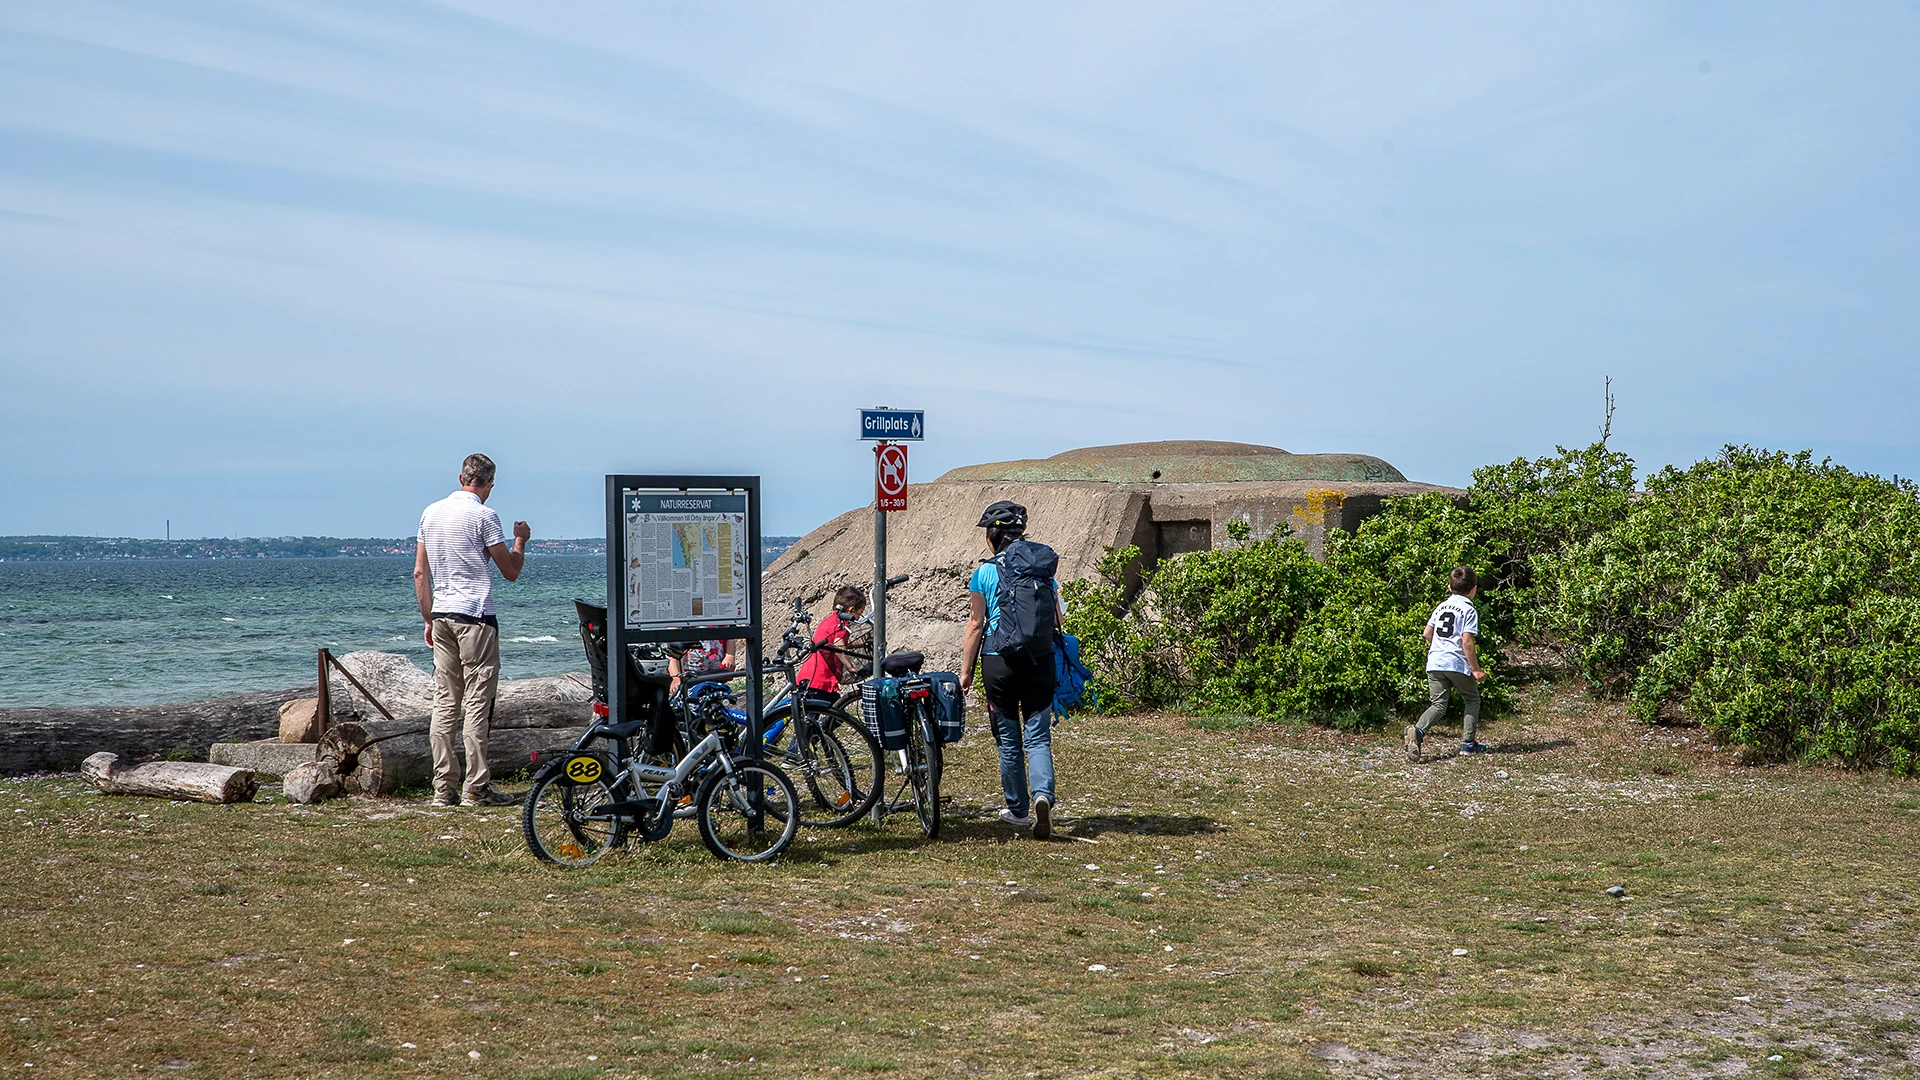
x=1166, y=498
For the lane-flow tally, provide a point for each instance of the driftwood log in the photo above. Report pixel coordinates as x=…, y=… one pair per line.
x=380, y=757
x=193, y=780
x=56, y=739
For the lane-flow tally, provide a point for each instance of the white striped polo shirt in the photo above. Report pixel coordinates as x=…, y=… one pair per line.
x=457, y=531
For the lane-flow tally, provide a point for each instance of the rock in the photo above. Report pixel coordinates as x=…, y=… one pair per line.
x=300, y=721
x=1616, y=891
x=1459, y=952
x=266, y=757
x=395, y=680
x=310, y=783
x=407, y=691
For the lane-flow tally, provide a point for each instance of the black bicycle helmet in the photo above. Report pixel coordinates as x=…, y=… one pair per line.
x=1004, y=515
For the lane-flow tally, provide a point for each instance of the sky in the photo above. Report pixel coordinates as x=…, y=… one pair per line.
x=273, y=268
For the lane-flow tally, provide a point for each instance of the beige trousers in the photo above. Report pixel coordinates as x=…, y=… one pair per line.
x=466, y=671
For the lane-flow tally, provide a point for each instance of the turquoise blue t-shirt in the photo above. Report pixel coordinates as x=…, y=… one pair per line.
x=986, y=582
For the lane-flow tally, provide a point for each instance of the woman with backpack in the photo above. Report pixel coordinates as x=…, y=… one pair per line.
x=1015, y=616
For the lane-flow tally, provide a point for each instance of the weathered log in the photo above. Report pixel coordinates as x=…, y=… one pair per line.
x=380, y=757
x=193, y=780
x=55, y=739
x=309, y=783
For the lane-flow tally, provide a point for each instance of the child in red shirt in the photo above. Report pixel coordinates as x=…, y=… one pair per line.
x=822, y=672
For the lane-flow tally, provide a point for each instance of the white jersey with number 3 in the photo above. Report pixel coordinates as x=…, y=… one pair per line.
x=1455, y=616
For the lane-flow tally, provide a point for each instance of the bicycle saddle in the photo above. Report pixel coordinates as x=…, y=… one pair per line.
x=902, y=663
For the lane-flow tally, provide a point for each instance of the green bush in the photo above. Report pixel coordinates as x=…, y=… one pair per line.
x=1260, y=628
x=1773, y=598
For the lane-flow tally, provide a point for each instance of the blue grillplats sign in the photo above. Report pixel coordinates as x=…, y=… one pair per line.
x=893, y=425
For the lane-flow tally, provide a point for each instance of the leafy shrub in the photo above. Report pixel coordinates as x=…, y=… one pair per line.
x=1774, y=598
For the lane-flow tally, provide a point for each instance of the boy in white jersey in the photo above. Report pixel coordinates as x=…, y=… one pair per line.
x=1453, y=662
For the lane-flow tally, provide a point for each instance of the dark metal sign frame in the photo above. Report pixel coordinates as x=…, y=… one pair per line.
x=619, y=635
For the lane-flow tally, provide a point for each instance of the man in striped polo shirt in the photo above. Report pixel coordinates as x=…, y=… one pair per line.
x=458, y=535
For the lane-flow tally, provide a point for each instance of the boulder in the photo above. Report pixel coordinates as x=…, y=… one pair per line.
x=300, y=721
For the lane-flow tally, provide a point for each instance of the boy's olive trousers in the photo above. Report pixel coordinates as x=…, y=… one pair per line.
x=1438, y=683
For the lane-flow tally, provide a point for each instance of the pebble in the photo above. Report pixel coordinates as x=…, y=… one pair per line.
x=474, y=1054
x=1096, y=967
x=1616, y=890
x=1459, y=952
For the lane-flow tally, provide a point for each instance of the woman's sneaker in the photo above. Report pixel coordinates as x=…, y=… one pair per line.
x=1412, y=740
x=1042, y=817
x=1018, y=822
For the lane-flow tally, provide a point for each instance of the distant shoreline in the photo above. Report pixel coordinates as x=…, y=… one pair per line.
x=43, y=549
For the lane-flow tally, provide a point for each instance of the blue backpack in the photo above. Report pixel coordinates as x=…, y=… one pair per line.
x=1071, y=677
x=1029, y=612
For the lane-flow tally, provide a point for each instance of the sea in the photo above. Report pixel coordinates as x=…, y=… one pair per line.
x=143, y=632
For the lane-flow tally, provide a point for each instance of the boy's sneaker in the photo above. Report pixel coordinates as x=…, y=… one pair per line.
x=487, y=796
x=1042, y=817
x=1019, y=822
x=1472, y=748
x=1412, y=741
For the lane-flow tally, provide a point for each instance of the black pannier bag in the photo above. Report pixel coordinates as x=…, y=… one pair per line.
x=949, y=707
x=884, y=711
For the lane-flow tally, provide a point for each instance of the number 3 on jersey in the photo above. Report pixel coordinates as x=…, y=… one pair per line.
x=1444, y=625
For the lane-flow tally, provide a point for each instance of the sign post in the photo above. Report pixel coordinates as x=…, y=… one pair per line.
x=888, y=428
x=683, y=563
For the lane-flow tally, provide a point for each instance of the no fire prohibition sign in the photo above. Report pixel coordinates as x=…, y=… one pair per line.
x=890, y=477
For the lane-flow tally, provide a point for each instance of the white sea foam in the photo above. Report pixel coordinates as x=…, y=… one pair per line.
x=166, y=596
x=543, y=639
x=228, y=618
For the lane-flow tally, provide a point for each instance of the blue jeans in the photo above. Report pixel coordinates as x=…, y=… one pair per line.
x=1026, y=757
x=1014, y=691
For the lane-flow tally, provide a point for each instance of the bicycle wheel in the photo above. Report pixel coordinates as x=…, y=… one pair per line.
x=726, y=821
x=835, y=763
x=923, y=770
x=555, y=823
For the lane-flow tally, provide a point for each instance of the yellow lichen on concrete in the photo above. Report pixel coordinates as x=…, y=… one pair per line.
x=1317, y=504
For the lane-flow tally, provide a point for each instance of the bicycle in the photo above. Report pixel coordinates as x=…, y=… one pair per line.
x=838, y=758
x=591, y=800
x=919, y=755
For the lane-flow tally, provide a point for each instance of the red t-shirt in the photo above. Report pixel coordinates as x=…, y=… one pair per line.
x=822, y=670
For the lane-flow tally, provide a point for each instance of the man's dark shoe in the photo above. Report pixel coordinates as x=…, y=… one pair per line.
x=487, y=796
x=447, y=799
x=1472, y=748
x=1412, y=740
x=1042, y=818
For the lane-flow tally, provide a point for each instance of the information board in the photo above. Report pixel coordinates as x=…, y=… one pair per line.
x=686, y=558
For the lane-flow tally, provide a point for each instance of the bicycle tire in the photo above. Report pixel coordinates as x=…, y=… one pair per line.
x=725, y=825
x=553, y=823
x=923, y=764
x=835, y=762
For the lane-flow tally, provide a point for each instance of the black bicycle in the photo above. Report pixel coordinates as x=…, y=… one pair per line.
x=915, y=742
x=835, y=757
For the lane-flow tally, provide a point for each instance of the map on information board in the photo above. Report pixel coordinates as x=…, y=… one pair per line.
x=686, y=556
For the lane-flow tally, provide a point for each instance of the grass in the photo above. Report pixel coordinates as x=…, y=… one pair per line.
x=1225, y=900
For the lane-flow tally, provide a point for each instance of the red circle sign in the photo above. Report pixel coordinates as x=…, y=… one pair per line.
x=890, y=476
